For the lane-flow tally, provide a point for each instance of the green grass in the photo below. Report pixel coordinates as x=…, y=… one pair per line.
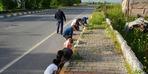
x=128, y=68
x=96, y=20
x=130, y=71
x=136, y=39
x=111, y=33
x=76, y=56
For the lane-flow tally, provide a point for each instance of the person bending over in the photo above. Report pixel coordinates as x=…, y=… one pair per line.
x=52, y=68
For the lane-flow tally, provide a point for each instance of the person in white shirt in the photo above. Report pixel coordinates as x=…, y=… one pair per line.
x=76, y=22
x=52, y=68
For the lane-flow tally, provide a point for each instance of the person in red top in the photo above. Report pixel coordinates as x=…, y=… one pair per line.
x=68, y=43
x=68, y=48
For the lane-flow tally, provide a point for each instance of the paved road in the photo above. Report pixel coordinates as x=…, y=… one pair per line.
x=29, y=43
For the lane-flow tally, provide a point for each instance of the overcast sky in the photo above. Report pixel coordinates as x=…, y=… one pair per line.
x=118, y=1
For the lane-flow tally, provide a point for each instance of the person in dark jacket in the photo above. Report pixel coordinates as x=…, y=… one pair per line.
x=67, y=53
x=60, y=17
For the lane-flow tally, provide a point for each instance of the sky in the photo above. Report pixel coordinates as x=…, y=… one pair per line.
x=116, y=1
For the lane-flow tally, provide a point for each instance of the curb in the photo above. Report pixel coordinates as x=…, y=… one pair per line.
x=128, y=54
x=21, y=13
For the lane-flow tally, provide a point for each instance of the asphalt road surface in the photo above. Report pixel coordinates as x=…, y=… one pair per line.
x=29, y=43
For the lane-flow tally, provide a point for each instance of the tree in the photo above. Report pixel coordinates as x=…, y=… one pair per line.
x=69, y=2
x=54, y=3
x=34, y=4
x=77, y=1
x=9, y=4
x=1, y=5
x=46, y=3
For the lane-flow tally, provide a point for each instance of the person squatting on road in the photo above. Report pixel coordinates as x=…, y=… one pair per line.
x=66, y=56
x=52, y=68
x=63, y=56
x=60, y=56
x=66, y=53
x=60, y=17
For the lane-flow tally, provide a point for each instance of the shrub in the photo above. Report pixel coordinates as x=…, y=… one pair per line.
x=9, y=4
x=1, y=6
x=136, y=39
x=96, y=20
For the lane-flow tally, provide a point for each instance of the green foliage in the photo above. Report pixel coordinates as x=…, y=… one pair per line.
x=111, y=33
x=66, y=2
x=114, y=12
x=77, y=1
x=1, y=5
x=96, y=20
x=33, y=4
x=9, y=4
x=135, y=38
x=46, y=3
x=76, y=56
x=55, y=3
x=128, y=68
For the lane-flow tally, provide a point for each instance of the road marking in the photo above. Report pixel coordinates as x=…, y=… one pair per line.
x=31, y=49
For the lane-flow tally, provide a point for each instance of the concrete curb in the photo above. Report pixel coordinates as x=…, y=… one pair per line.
x=20, y=13
x=128, y=54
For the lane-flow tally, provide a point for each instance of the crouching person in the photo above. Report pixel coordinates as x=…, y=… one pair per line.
x=64, y=56
x=68, y=43
x=84, y=20
x=60, y=56
x=67, y=54
x=68, y=49
x=68, y=33
x=52, y=68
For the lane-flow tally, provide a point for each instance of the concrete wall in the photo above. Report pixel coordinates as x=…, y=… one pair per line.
x=134, y=7
x=140, y=8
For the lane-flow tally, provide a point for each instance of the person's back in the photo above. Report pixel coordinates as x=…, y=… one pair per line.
x=52, y=68
x=67, y=53
x=68, y=32
x=60, y=54
x=68, y=43
x=59, y=15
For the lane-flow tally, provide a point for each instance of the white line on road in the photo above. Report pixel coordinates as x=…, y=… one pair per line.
x=31, y=49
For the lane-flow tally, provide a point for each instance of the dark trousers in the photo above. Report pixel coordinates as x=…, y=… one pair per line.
x=60, y=26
